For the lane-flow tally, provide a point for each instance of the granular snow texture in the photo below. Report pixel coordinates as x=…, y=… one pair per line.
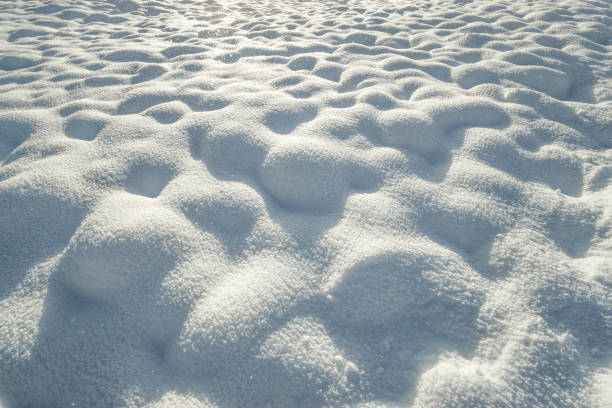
x=305, y=203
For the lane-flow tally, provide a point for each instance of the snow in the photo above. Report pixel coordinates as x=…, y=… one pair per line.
x=305, y=204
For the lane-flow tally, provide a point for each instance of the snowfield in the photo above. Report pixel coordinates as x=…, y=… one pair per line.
x=359, y=203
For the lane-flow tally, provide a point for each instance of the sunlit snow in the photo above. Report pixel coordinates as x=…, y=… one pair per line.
x=277, y=204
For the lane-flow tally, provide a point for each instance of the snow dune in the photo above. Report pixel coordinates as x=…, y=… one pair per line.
x=305, y=203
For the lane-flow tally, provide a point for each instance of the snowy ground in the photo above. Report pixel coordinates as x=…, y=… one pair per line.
x=305, y=203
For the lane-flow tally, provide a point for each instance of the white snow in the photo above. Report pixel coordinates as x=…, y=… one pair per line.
x=357, y=203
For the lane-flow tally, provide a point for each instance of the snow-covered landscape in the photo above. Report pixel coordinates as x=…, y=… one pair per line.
x=359, y=203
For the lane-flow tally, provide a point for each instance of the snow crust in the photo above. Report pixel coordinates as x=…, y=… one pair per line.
x=305, y=203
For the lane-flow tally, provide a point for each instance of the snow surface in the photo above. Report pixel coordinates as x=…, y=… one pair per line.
x=305, y=203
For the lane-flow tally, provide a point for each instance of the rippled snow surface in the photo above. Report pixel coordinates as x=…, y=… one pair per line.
x=305, y=203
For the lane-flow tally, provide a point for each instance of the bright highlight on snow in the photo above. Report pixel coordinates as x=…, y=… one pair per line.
x=356, y=203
